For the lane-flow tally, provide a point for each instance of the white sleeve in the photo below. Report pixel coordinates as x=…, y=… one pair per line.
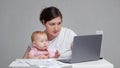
x=67, y=42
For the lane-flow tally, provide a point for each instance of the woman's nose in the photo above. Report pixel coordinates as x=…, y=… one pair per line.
x=56, y=27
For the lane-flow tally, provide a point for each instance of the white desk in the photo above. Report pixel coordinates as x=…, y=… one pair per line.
x=102, y=63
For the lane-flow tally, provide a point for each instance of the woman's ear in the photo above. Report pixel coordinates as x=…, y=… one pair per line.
x=43, y=22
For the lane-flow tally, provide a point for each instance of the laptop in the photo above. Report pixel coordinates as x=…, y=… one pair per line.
x=86, y=48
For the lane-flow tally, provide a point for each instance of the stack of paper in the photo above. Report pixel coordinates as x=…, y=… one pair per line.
x=47, y=63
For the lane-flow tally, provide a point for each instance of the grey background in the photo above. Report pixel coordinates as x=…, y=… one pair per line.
x=19, y=18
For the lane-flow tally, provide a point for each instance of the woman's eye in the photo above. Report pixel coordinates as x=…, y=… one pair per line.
x=52, y=24
x=59, y=23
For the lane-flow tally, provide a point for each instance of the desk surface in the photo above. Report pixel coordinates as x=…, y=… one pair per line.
x=102, y=63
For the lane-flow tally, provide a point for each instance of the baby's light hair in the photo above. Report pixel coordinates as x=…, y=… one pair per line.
x=35, y=33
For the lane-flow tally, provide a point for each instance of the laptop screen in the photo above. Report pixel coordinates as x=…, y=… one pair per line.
x=86, y=48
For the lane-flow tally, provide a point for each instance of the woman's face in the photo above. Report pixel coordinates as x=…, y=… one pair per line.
x=53, y=26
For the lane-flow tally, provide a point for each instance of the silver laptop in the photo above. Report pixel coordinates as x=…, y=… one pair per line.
x=86, y=48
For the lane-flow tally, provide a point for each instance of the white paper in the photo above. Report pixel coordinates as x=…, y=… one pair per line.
x=47, y=63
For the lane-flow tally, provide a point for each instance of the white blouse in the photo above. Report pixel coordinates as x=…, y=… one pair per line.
x=63, y=43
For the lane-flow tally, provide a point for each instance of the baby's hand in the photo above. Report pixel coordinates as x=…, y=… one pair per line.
x=43, y=57
x=57, y=54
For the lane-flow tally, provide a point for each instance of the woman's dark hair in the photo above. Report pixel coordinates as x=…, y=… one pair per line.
x=49, y=13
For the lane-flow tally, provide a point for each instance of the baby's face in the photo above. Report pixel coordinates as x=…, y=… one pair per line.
x=41, y=42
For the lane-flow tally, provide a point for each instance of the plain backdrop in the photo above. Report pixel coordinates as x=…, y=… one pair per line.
x=19, y=18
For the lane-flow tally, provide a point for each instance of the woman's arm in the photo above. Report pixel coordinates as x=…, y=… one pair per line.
x=27, y=53
x=67, y=54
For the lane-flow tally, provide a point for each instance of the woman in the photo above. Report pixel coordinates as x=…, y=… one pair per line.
x=59, y=37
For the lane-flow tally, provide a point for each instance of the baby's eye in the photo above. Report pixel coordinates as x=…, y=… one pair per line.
x=41, y=41
x=46, y=40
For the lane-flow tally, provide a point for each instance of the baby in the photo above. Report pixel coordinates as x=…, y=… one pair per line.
x=40, y=49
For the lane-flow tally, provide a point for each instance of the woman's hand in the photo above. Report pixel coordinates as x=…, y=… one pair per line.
x=57, y=54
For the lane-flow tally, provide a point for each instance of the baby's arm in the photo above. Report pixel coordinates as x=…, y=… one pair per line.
x=43, y=57
x=38, y=57
x=33, y=57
